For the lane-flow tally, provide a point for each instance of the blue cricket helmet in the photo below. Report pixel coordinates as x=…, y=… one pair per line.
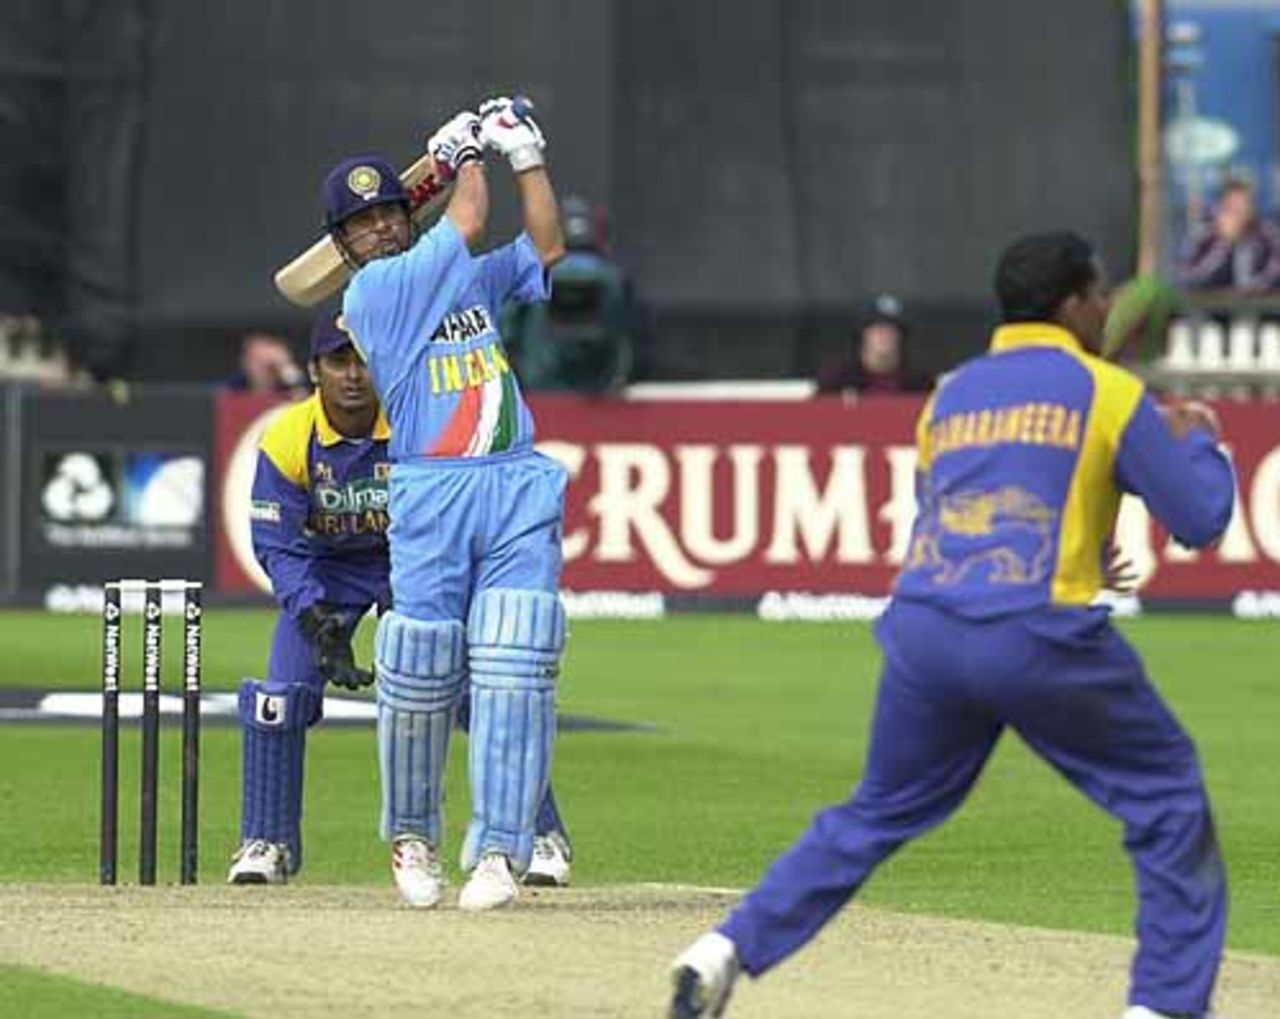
x=357, y=183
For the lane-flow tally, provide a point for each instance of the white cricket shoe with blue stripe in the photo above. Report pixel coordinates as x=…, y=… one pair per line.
x=703, y=978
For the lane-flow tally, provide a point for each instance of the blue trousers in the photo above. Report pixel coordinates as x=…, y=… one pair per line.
x=273, y=770
x=1076, y=692
x=467, y=525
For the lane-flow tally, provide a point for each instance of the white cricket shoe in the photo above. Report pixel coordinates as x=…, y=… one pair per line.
x=259, y=862
x=491, y=886
x=417, y=870
x=549, y=866
x=703, y=977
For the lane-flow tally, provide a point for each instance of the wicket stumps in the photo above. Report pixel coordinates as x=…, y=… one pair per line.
x=113, y=609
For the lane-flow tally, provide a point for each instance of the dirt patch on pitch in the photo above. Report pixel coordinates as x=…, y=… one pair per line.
x=307, y=951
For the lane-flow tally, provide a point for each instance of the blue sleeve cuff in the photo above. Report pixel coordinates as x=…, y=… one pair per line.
x=534, y=278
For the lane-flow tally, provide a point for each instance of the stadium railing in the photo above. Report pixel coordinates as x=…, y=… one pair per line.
x=1226, y=344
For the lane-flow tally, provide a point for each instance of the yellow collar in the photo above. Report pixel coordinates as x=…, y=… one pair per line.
x=1034, y=334
x=330, y=436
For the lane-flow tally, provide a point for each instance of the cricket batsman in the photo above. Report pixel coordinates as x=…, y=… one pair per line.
x=1023, y=456
x=319, y=522
x=476, y=514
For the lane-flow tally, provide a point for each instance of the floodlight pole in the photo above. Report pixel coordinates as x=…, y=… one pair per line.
x=1150, y=163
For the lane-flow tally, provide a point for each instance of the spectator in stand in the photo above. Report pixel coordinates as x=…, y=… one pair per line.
x=878, y=361
x=267, y=365
x=30, y=352
x=1236, y=250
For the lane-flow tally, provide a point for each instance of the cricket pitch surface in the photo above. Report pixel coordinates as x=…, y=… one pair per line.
x=566, y=953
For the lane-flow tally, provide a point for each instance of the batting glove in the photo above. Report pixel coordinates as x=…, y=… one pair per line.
x=507, y=126
x=457, y=142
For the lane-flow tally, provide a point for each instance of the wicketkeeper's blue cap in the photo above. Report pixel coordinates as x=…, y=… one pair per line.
x=357, y=183
x=326, y=337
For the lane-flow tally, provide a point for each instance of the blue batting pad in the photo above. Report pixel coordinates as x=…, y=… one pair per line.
x=421, y=671
x=275, y=717
x=420, y=664
x=515, y=640
x=549, y=819
x=516, y=633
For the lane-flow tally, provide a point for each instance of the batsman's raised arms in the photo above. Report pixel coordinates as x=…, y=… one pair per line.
x=320, y=271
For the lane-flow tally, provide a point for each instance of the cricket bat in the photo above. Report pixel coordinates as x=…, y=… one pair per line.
x=321, y=270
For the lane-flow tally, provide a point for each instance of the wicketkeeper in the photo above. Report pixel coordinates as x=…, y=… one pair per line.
x=1023, y=456
x=319, y=520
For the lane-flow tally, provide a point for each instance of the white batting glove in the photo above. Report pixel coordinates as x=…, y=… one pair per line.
x=458, y=141
x=507, y=126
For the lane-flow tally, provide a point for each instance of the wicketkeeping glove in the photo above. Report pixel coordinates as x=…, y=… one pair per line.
x=508, y=126
x=330, y=633
x=458, y=141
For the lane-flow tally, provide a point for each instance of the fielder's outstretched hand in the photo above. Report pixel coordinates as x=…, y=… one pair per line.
x=458, y=141
x=508, y=127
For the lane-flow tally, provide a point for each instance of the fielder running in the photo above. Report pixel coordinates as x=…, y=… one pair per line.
x=476, y=513
x=1023, y=456
x=319, y=521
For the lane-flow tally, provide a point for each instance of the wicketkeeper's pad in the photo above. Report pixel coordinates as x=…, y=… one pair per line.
x=275, y=717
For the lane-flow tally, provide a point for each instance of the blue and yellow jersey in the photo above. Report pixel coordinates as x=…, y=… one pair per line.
x=426, y=321
x=1023, y=456
x=319, y=513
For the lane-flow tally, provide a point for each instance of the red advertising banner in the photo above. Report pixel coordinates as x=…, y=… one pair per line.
x=731, y=498
x=744, y=498
x=725, y=499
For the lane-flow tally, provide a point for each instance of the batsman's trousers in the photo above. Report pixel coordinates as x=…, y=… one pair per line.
x=1077, y=693
x=463, y=526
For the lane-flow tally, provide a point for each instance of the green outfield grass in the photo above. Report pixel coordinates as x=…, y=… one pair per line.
x=31, y=994
x=756, y=725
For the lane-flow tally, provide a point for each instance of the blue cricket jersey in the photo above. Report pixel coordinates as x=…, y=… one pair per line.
x=320, y=510
x=1023, y=456
x=426, y=323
